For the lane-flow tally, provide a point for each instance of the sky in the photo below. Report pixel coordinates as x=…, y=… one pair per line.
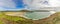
x=19, y=3
x=31, y=4
x=39, y=4
x=11, y=4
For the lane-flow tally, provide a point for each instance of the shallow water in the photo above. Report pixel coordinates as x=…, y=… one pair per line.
x=37, y=15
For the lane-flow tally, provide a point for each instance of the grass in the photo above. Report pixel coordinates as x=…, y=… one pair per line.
x=12, y=18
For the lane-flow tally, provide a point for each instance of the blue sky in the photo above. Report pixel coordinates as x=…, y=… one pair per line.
x=11, y=4
x=19, y=3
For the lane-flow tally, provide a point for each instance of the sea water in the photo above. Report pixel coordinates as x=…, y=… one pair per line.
x=37, y=15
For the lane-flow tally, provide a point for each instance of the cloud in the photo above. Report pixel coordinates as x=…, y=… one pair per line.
x=7, y=3
x=36, y=5
x=54, y=3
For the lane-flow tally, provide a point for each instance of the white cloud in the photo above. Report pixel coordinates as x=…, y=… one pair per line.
x=54, y=3
x=35, y=5
x=7, y=3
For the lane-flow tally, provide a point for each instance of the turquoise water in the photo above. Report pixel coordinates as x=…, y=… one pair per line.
x=37, y=15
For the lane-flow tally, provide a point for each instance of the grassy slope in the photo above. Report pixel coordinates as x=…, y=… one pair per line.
x=12, y=18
